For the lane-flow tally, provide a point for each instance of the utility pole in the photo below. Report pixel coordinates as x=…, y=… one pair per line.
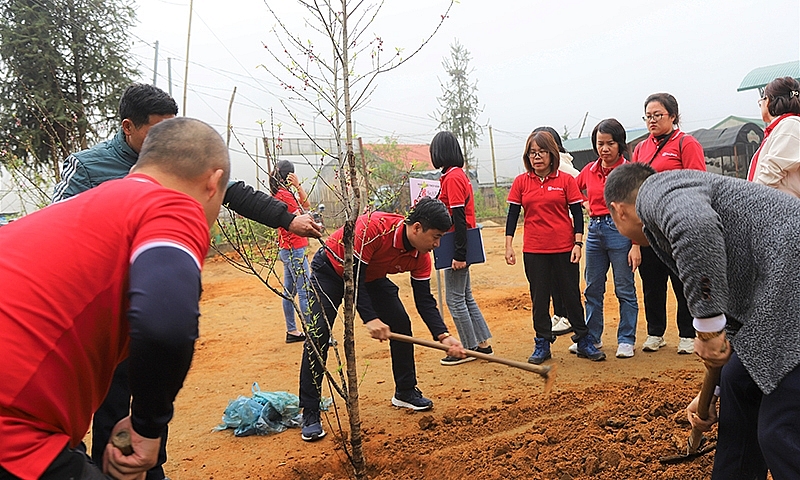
x=169, y=74
x=494, y=163
x=155, y=66
x=186, y=67
x=583, y=124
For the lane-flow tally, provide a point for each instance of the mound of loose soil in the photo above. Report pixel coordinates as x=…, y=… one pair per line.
x=605, y=420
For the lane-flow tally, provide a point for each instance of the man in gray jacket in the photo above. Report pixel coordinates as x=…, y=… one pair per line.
x=734, y=245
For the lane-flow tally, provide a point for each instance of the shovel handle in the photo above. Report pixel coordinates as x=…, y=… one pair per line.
x=710, y=381
x=543, y=370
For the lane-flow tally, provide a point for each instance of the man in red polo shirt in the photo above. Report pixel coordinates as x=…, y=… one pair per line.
x=384, y=243
x=110, y=273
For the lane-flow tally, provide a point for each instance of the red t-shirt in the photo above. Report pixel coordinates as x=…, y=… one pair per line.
x=593, y=179
x=287, y=239
x=379, y=244
x=456, y=191
x=548, y=227
x=675, y=155
x=63, y=324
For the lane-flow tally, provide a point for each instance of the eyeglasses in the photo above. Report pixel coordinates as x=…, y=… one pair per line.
x=761, y=101
x=654, y=117
x=538, y=153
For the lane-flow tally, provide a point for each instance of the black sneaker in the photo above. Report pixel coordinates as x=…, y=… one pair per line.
x=412, y=399
x=290, y=338
x=312, y=427
x=487, y=350
x=448, y=360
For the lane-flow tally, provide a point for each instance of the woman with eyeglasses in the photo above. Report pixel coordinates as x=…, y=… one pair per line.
x=561, y=325
x=552, y=242
x=776, y=163
x=667, y=148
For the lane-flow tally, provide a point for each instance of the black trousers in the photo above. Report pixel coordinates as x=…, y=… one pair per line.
x=548, y=272
x=70, y=464
x=756, y=431
x=654, y=275
x=115, y=407
x=327, y=294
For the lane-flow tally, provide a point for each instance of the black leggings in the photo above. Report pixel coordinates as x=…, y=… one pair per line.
x=654, y=275
x=548, y=272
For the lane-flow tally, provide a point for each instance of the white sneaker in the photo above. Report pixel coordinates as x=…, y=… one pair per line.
x=686, y=346
x=561, y=325
x=574, y=347
x=624, y=350
x=652, y=344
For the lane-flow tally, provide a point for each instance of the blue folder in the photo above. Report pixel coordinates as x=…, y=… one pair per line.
x=443, y=255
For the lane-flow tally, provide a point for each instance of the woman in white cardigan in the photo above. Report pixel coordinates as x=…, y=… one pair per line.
x=777, y=161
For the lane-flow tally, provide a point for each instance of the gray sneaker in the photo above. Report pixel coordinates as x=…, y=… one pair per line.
x=412, y=399
x=312, y=426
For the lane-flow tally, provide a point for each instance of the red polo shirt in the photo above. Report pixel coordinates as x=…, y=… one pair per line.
x=675, y=155
x=379, y=244
x=548, y=227
x=287, y=239
x=456, y=191
x=593, y=179
x=63, y=308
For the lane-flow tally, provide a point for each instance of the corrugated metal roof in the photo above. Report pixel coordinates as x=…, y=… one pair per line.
x=761, y=76
x=585, y=143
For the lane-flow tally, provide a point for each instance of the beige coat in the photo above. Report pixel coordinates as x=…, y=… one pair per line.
x=779, y=158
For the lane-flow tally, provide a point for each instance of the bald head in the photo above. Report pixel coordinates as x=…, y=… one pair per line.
x=184, y=148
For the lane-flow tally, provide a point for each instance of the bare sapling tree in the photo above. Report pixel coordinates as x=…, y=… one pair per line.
x=331, y=75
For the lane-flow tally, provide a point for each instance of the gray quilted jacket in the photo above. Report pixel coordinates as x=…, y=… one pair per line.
x=734, y=244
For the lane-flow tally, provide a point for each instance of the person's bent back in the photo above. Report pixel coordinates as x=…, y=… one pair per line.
x=114, y=272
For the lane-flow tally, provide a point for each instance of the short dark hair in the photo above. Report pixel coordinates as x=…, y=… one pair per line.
x=185, y=148
x=141, y=100
x=669, y=103
x=611, y=126
x=545, y=141
x=445, y=151
x=556, y=136
x=430, y=213
x=784, y=96
x=622, y=185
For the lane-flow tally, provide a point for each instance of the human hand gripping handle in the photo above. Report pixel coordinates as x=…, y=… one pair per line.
x=133, y=466
x=715, y=351
x=378, y=330
x=455, y=349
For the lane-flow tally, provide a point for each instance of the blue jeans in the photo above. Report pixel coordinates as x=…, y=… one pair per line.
x=606, y=246
x=295, y=281
x=471, y=326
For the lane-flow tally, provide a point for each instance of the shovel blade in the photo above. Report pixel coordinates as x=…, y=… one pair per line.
x=686, y=457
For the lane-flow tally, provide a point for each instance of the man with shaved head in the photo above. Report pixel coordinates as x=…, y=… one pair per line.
x=108, y=274
x=141, y=107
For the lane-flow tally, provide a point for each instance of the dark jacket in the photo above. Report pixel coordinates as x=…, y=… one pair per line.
x=113, y=159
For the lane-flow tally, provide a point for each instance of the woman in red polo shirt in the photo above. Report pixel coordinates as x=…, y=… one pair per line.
x=292, y=248
x=552, y=242
x=456, y=193
x=667, y=148
x=605, y=246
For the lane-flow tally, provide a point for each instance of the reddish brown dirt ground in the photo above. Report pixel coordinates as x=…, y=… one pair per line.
x=606, y=420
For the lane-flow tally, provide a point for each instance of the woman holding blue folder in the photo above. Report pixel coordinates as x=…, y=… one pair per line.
x=456, y=192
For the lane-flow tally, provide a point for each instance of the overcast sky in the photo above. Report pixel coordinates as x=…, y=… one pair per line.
x=535, y=62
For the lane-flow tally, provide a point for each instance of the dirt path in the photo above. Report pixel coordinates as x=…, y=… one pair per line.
x=606, y=420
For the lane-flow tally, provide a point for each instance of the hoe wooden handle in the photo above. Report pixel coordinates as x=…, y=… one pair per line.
x=546, y=371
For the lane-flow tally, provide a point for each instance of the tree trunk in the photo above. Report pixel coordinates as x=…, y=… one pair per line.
x=353, y=409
